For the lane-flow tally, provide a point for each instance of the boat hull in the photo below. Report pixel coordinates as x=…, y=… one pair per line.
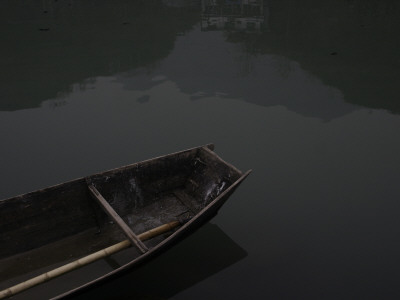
x=189, y=186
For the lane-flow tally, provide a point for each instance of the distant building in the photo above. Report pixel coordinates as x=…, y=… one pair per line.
x=232, y=15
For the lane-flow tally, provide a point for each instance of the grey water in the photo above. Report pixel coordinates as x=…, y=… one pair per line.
x=305, y=93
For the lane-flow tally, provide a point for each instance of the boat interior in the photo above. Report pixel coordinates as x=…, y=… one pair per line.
x=50, y=227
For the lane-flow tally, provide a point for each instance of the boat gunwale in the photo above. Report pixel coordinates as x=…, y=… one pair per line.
x=211, y=152
x=201, y=217
x=174, y=236
x=165, y=243
x=104, y=172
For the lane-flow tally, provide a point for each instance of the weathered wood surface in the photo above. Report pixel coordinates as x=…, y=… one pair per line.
x=31, y=220
x=34, y=219
x=197, y=177
x=187, y=201
x=84, y=261
x=210, y=177
x=117, y=219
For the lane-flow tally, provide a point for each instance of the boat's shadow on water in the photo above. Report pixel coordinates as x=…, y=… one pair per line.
x=208, y=251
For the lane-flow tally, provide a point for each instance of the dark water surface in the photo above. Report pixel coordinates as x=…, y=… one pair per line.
x=306, y=93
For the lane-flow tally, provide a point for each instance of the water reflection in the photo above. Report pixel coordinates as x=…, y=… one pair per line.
x=48, y=47
x=310, y=57
x=349, y=45
x=322, y=205
x=225, y=70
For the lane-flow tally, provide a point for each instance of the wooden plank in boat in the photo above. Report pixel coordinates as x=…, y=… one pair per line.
x=111, y=212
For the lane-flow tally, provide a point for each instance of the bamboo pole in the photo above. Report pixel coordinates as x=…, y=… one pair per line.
x=84, y=260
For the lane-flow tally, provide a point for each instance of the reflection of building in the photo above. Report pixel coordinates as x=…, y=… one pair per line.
x=232, y=15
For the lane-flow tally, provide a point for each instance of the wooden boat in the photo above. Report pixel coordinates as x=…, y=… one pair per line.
x=152, y=204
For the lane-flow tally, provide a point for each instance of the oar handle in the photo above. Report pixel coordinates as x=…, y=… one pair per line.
x=85, y=260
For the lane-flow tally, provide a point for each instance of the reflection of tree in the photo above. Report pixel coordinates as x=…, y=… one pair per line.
x=48, y=46
x=351, y=45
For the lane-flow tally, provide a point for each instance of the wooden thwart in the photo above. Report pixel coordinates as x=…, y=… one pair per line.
x=84, y=261
x=117, y=219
